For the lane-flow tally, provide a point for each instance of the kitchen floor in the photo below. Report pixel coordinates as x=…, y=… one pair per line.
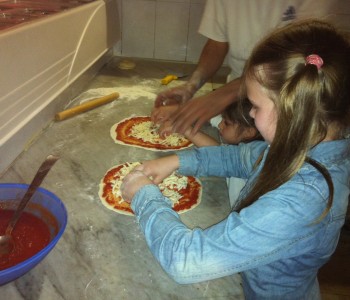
x=124, y=269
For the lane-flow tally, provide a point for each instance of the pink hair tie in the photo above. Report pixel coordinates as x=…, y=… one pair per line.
x=314, y=59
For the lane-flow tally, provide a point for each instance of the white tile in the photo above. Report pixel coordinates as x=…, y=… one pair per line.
x=171, y=30
x=198, y=1
x=138, y=26
x=120, y=6
x=117, y=48
x=196, y=41
x=184, y=1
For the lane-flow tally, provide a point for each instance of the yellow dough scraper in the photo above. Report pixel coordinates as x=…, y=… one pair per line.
x=169, y=78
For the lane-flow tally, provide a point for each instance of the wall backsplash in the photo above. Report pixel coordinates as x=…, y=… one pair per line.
x=161, y=29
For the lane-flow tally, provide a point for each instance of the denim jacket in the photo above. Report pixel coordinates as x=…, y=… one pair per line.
x=274, y=243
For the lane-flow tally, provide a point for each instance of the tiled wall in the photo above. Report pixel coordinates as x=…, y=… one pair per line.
x=161, y=29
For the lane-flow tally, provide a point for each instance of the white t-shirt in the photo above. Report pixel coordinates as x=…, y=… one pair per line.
x=242, y=23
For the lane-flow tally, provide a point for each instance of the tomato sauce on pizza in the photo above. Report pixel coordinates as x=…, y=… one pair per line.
x=140, y=131
x=184, y=191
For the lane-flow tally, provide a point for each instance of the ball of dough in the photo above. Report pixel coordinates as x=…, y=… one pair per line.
x=126, y=64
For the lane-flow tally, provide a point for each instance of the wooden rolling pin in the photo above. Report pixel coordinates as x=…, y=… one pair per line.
x=85, y=106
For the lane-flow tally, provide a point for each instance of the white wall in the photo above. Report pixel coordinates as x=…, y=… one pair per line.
x=161, y=29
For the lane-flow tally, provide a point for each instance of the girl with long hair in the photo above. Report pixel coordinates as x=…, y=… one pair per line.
x=287, y=221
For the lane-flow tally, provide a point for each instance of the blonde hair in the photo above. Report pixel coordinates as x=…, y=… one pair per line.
x=308, y=100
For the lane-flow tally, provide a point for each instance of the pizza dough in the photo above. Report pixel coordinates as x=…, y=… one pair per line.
x=126, y=64
x=141, y=132
x=184, y=191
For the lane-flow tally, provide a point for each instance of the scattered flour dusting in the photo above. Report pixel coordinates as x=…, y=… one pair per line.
x=144, y=89
x=127, y=93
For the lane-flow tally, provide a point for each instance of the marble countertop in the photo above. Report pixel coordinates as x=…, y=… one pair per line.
x=102, y=254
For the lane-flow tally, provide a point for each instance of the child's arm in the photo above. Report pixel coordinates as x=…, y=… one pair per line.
x=201, y=139
x=149, y=172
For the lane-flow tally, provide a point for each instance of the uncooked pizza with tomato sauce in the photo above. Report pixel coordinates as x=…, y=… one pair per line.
x=140, y=131
x=185, y=192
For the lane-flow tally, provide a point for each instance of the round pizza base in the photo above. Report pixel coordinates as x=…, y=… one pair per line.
x=105, y=203
x=113, y=134
x=101, y=192
x=128, y=213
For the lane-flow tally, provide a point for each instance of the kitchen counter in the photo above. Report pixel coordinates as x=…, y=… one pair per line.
x=102, y=254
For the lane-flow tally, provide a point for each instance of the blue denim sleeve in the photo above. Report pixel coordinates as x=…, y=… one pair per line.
x=277, y=232
x=196, y=255
x=186, y=255
x=222, y=161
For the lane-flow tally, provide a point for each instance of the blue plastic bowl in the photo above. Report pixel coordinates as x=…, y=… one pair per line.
x=43, y=204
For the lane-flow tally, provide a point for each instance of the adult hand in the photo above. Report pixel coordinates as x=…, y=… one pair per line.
x=132, y=183
x=162, y=114
x=165, y=129
x=176, y=95
x=195, y=112
x=199, y=110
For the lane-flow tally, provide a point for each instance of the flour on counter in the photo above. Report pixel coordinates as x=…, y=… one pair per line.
x=144, y=89
x=128, y=93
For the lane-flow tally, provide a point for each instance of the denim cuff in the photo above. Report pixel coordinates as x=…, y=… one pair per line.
x=145, y=197
x=186, y=162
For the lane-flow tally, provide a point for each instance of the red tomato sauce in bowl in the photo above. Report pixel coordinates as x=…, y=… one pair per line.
x=30, y=235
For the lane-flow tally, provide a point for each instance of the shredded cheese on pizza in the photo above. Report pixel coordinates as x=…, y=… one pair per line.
x=170, y=186
x=148, y=132
x=117, y=182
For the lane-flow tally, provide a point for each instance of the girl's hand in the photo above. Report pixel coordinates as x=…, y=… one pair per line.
x=158, y=169
x=132, y=183
x=149, y=172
